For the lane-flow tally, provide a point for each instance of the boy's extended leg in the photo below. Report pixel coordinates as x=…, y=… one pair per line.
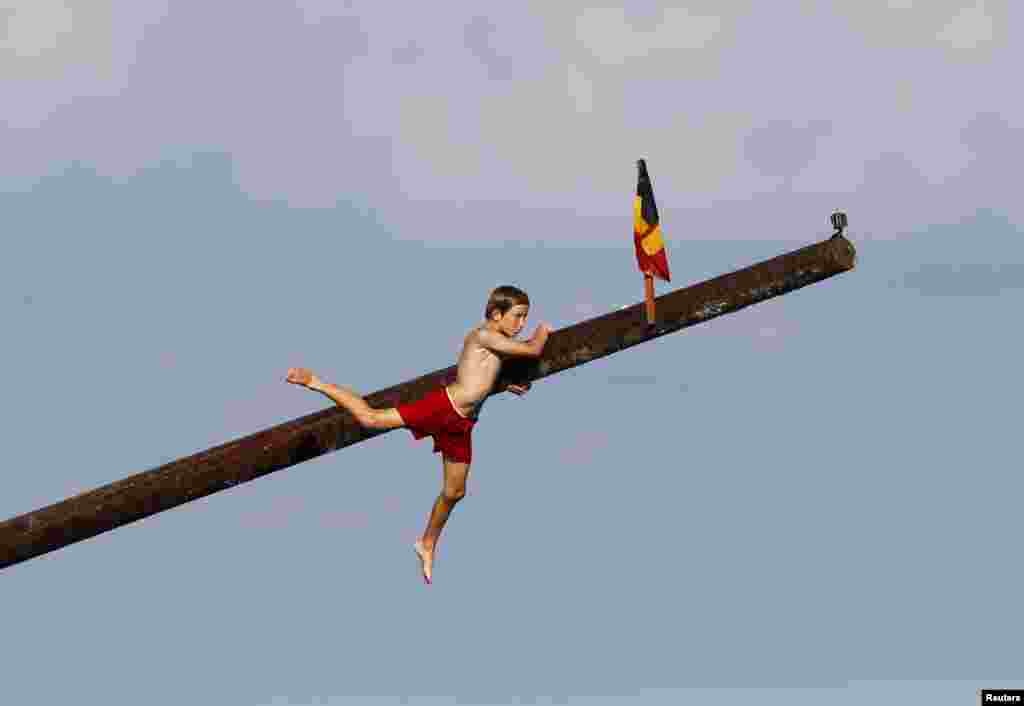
x=455, y=475
x=366, y=415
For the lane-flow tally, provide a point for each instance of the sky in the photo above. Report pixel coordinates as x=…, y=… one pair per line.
x=810, y=501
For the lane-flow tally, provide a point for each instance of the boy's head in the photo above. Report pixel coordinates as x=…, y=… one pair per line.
x=507, y=309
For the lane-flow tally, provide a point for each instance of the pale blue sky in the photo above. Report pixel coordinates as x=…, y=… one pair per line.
x=810, y=501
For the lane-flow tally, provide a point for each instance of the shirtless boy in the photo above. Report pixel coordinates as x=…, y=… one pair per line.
x=449, y=413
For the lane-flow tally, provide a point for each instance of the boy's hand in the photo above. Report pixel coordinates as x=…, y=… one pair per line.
x=518, y=389
x=542, y=332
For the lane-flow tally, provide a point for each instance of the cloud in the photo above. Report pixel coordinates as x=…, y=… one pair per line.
x=971, y=27
x=950, y=24
x=580, y=89
x=611, y=38
x=43, y=40
x=896, y=198
x=782, y=149
x=478, y=35
x=530, y=112
x=996, y=149
x=407, y=54
x=35, y=27
x=317, y=11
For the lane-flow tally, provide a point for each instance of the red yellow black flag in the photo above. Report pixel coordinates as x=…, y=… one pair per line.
x=650, y=247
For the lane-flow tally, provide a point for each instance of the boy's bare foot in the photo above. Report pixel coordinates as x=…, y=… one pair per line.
x=426, y=558
x=301, y=376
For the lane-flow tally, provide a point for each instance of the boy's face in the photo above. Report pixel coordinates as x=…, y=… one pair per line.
x=513, y=321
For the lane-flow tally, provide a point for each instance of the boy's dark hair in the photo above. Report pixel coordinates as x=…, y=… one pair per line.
x=504, y=298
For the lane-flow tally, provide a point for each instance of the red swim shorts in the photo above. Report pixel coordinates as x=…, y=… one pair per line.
x=434, y=415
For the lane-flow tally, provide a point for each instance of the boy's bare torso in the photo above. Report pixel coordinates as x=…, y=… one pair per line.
x=476, y=372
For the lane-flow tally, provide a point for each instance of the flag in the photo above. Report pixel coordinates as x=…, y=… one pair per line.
x=650, y=248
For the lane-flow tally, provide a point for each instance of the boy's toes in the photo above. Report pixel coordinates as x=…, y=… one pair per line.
x=300, y=376
x=426, y=560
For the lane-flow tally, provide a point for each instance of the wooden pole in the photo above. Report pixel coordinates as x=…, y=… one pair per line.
x=136, y=497
x=649, y=297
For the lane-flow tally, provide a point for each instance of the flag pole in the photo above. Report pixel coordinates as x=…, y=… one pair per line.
x=649, y=297
x=645, y=226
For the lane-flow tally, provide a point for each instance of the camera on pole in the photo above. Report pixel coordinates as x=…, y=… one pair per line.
x=839, y=223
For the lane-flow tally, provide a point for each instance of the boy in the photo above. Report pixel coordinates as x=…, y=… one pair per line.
x=449, y=413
